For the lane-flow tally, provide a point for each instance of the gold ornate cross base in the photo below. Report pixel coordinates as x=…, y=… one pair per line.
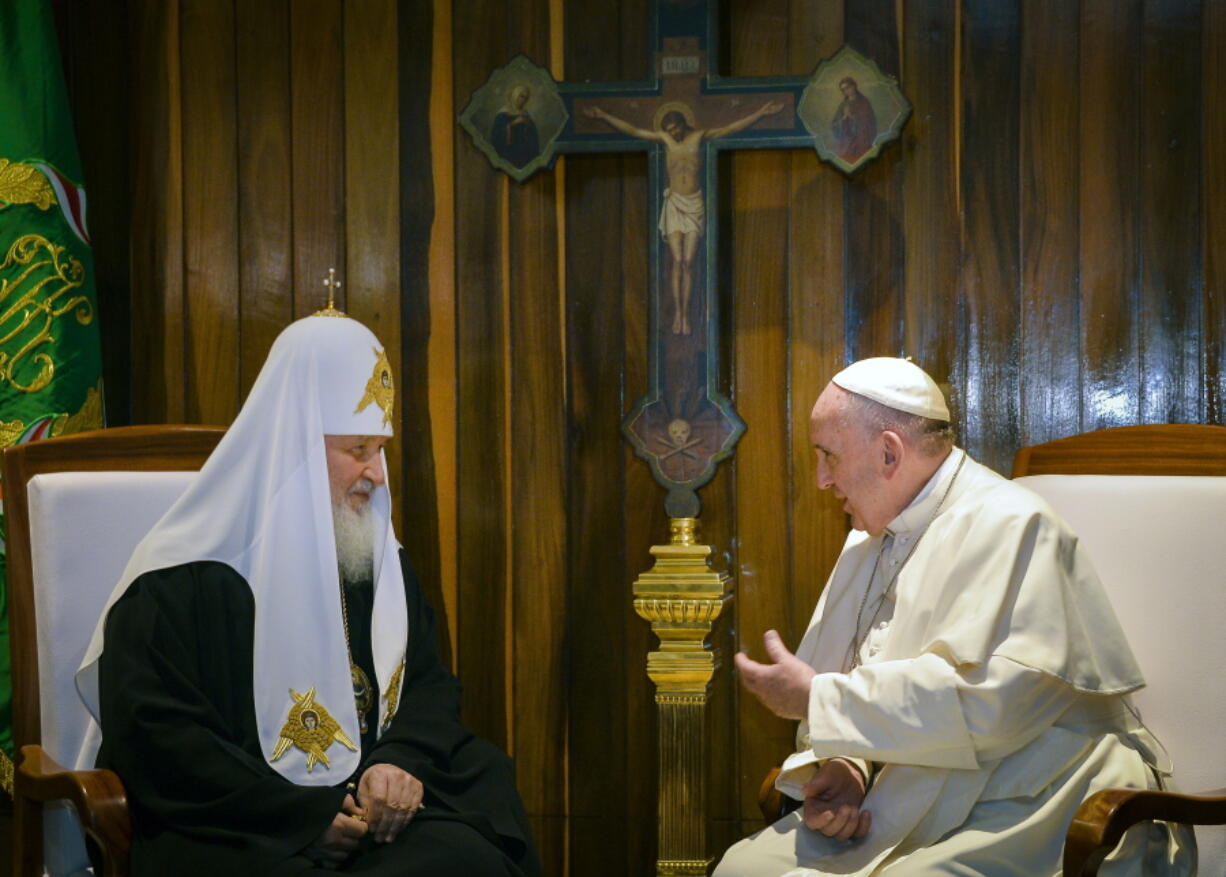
x=682, y=597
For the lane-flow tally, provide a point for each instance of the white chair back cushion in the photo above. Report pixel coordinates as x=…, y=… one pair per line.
x=83, y=528
x=1159, y=546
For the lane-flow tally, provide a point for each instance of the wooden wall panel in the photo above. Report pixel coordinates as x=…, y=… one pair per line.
x=607, y=281
x=598, y=222
x=602, y=218
x=1049, y=395
x=1046, y=239
x=538, y=510
x=427, y=305
x=873, y=242
x=210, y=214
x=539, y=521
x=264, y=183
x=988, y=384
x=931, y=222
x=317, y=120
x=760, y=192
x=157, y=215
x=816, y=316
x=598, y=590
x=760, y=236
x=1169, y=305
x=481, y=385
x=1109, y=168
x=1213, y=156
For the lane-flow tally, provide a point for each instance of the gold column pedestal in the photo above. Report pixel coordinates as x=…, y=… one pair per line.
x=682, y=597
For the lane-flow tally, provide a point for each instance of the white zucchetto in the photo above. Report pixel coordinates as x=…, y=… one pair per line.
x=895, y=383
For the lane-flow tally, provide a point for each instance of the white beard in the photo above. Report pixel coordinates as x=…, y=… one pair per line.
x=355, y=542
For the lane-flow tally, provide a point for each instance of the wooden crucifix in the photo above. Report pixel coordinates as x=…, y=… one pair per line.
x=682, y=115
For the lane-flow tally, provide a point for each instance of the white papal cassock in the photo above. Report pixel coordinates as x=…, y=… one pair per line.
x=990, y=699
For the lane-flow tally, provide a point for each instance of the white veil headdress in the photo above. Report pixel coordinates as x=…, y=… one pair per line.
x=262, y=505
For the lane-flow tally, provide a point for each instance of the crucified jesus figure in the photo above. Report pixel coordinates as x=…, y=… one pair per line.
x=683, y=216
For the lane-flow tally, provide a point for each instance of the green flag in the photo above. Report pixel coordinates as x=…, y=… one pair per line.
x=50, y=357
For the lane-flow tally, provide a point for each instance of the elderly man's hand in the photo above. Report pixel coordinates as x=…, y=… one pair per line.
x=390, y=797
x=340, y=838
x=832, y=801
x=782, y=686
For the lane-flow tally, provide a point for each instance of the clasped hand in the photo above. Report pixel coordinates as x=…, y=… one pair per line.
x=341, y=838
x=387, y=799
x=783, y=685
x=832, y=801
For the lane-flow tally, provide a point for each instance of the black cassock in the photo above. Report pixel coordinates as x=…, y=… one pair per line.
x=179, y=727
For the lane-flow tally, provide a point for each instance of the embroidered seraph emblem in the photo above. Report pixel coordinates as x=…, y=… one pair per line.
x=311, y=728
x=392, y=697
x=379, y=388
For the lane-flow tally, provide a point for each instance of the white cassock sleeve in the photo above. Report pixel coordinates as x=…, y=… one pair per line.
x=922, y=711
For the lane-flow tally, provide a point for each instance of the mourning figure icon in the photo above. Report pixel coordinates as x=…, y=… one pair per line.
x=854, y=125
x=515, y=117
x=852, y=109
x=514, y=133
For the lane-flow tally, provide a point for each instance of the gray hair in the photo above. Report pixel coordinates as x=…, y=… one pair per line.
x=930, y=437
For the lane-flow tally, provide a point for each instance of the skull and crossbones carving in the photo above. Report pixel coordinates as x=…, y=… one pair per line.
x=679, y=435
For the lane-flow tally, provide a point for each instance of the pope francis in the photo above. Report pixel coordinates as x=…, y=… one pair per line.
x=963, y=684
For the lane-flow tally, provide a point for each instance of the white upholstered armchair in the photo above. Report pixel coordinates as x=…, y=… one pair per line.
x=1149, y=504
x=75, y=507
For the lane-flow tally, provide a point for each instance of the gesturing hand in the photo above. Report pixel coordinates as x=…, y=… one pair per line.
x=341, y=837
x=832, y=801
x=390, y=797
x=782, y=686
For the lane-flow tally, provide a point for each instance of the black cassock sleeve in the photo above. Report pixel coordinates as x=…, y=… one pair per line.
x=179, y=727
x=178, y=719
x=465, y=777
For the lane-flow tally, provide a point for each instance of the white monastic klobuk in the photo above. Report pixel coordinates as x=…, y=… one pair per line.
x=262, y=505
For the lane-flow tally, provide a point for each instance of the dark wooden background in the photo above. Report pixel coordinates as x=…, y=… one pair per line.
x=1048, y=239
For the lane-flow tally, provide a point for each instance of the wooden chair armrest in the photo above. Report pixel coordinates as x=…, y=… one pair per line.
x=770, y=799
x=98, y=795
x=772, y=802
x=1101, y=820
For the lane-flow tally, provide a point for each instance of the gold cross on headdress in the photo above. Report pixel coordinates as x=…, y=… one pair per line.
x=333, y=285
